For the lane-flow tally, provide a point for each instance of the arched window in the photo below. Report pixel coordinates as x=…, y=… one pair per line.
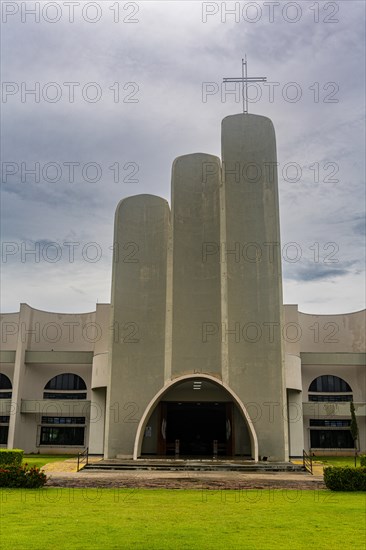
x=330, y=388
x=329, y=383
x=65, y=386
x=5, y=387
x=331, y=433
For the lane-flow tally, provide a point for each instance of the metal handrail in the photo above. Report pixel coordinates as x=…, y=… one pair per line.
x=215, y=448
x=84, y=456
x=307, y=461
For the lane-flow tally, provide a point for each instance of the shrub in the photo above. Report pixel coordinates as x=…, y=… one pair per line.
x=363, y=460
x=22, y=477
x=11, y=456
x=345, y=479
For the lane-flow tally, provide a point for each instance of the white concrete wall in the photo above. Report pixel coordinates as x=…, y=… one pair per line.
x=343, y=333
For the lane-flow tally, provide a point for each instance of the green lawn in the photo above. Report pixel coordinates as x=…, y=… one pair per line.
x=65, y=519
x=41, y=460
x=337, y=460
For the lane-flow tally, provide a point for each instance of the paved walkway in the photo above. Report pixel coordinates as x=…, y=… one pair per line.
x=65, y=466
x=63, y=474
x=318, y=467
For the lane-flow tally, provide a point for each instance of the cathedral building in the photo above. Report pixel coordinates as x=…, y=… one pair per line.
x=196, y=355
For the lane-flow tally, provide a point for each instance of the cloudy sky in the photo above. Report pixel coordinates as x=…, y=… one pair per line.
x=119, y=92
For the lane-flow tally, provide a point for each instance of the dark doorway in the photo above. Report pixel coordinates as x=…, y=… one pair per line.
x=196, y=425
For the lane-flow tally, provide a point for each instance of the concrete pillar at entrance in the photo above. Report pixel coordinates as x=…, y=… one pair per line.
x=251, y=235
x=295, y=423
x=97, y=421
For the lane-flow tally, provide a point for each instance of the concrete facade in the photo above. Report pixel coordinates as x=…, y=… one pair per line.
x=196, y=353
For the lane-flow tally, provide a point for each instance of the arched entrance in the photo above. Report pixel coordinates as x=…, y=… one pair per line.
x=197, y=410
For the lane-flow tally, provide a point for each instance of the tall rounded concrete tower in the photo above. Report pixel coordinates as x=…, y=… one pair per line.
x=252, y=253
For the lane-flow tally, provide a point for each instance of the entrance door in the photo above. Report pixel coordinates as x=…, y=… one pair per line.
x=196, y=425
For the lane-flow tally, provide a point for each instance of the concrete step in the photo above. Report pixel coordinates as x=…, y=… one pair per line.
x=193, y=465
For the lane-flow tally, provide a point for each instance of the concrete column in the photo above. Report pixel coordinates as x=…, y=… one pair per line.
x=196, y=301
x=17, y=429
x=97, y=421
x=254, y=286
x=138, y=317
x=295, y=423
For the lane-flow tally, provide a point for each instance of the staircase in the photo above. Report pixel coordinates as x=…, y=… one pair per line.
x=179, y=465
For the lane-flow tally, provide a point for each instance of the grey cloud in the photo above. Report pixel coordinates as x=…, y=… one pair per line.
x=307, y=271
x=169, y=54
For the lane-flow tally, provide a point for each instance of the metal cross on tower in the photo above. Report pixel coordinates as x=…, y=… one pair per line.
x=244, y=80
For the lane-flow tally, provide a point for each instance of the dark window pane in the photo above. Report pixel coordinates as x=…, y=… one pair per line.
x=66, y=381
x=331, y=439
x=329, y=383
x=333, y=423
x=330, y=398
x=61, y=395
x=314, y=385
x=5, y=394
x=5, y=383
x=55, y=395
x=4, y=435
x=63, y=419
x=62, y=436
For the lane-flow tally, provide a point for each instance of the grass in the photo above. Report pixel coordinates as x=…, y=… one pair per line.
x=41, y=460
x=66, y=519
x=337, y=460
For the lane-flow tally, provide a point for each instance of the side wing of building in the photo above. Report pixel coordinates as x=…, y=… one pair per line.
x=49, y=364
x=325, y=370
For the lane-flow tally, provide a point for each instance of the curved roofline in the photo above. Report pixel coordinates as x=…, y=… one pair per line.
x=252, y=115
x=196, y=154
x=59, y=312
x=333, y=314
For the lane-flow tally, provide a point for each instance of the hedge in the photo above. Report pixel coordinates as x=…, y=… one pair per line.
x=22, y=477
x=338, y=478
x=11, y=456
x=363, y=460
